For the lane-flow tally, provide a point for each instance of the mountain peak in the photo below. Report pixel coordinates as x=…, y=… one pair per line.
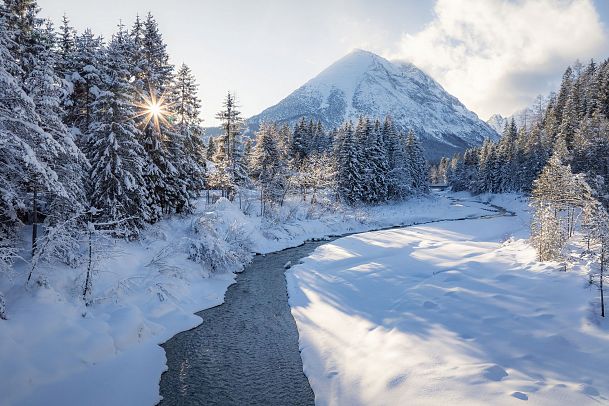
x=362, y=53
x=363, y=83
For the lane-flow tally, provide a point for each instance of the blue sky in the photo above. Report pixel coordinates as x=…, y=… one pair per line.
x=494, y=55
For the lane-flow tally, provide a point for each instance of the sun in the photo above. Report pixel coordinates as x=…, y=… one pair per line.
x=153, y=109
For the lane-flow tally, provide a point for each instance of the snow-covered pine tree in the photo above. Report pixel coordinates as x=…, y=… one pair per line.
x=28, y=152
x=138, y=61
x=362, y=136
x=118, y=191
x=535, y=156
x=563, y=95
x=284, y=142
x=489, y=170
x=570, y=116
x=300, y=145
x=417, y=163
x=85, y=82
x=153, y=72
x=264, y=163
x=318, y=138
x=157, y=71
x=219, y=178
x=556, y=197
x=51, y=142
x=189, y=156
x=210, y=150
x=371, y=140
x=349, y=158
x=15, y=107
x=65, y=48
x=506, y=158
x=399, y=184
x=21, y=18
x=230, y=154
x=47, y=89
x=285, y=165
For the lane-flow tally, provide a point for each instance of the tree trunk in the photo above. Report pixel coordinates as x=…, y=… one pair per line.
x=34, y=221
x=89, y=265
x=601, y=281
x=261, y=201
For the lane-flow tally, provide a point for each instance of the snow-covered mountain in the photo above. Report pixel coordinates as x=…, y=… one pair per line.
x=497, y=122
x=523, y=118
x=363, y=83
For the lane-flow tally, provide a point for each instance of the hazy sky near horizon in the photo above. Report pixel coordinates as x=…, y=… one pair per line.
x=494, y=55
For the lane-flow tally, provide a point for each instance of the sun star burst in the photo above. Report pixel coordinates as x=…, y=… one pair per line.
x=153, y=109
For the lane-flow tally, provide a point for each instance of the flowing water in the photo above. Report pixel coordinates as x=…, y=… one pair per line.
x=245, y=352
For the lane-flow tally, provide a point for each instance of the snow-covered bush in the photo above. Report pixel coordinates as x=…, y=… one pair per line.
x=223, y=241
x=8, y=254
x=63, y=241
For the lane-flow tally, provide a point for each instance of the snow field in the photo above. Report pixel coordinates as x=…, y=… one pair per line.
x=446, y=313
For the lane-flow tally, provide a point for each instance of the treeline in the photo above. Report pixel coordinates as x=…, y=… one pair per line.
x=577, y=116
x=369, y=162
x=560, y=158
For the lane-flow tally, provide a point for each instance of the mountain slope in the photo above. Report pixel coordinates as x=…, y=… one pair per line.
x=362, y=83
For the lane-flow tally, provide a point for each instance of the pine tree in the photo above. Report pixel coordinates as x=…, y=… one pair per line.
x=230, y=154
x=264, y=163
x=349, y=166
x=300, y=145
x=417, y=163
x=211, y=149
x=563, y=94
x=66, y=48
x=375, y=160
x=399, y=183
x=157, y=71
x=154, y=73
x=556, y=196
x=28, y=152
x=187, y=126
x=21, y=19
x=118, y=190
x=85, y=81
x=506, y=158
x=45, y=88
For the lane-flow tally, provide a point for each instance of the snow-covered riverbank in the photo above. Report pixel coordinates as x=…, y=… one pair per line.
x=447, y=313
x=57, y=351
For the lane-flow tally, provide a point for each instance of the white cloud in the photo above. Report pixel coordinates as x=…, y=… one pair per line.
x=497, y=55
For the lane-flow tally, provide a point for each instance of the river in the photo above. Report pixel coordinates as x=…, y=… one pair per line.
x=245, y=351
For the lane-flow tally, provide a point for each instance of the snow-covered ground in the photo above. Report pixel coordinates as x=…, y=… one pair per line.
x=455, y=313
x=55, y=350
